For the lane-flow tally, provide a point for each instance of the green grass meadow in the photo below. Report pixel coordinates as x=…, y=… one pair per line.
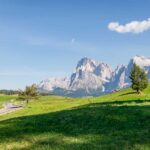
x=117, y=121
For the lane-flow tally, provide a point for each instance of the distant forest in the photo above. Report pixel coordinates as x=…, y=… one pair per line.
x=13, y=92
x=9, y=92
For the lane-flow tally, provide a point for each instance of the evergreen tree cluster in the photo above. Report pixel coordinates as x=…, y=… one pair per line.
x=138, y=78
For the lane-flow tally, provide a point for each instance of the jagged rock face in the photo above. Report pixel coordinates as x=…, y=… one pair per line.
x=51, y=84
x=93, y=78
x=142, y=62
x=89, y=75
x=88, y=79
x=117, y=80
x=120, y=77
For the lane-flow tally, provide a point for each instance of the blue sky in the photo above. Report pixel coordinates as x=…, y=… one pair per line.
x=40, y=39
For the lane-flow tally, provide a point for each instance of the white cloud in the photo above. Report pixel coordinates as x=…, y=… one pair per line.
x=131, y=27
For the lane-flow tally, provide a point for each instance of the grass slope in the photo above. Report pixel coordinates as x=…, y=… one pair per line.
x=118, y=121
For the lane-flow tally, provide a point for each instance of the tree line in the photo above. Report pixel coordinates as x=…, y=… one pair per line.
x=9, y=92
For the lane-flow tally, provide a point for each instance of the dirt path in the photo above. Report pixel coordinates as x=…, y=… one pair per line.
x=9, y=108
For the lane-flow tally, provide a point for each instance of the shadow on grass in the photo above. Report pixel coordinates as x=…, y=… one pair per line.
x=99, y=126
x=129, y=93
x=123, y=102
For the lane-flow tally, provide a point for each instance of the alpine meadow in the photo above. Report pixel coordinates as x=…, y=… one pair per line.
x=74, y=75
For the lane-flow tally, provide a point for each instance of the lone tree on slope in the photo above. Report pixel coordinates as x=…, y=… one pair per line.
x=138, y=78
x=28, y=94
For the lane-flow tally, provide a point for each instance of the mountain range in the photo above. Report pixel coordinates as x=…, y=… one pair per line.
x=93, y=78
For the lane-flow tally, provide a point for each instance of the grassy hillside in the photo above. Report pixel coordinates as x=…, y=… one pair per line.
x=118, y=121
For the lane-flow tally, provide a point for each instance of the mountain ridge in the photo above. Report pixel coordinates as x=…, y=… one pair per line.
x=94, y=78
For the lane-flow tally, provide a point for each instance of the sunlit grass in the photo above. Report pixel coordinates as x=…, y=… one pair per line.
x=118, y=121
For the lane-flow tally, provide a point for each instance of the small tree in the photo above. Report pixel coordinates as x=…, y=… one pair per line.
x=138, y=78
x=28, y=94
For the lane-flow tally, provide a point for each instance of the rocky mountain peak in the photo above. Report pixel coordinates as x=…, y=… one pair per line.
x=86, y=64
x=141, y=61
x=92, y=78
x=119, y=67
x=54, y=82
x=90, y=65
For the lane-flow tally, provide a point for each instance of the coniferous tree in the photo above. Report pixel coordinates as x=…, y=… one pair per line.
x=138, y=78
